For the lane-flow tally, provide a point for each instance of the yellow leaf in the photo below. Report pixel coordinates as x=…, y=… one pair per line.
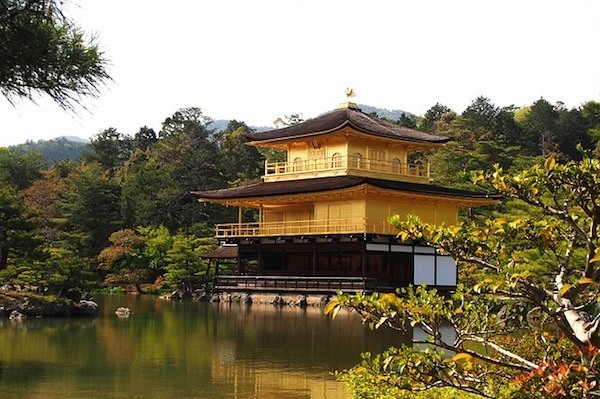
x=332, y=307
x=458, y=311
x=380, y=322
x=550, y=164
x=564, y=289
x=545, y=235
x=586, y=280
x=462, y=356
x=403, y=236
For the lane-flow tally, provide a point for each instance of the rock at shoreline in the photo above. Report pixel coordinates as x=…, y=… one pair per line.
x=85, y=308
x=278, y=301
x=301, y=300
x=123, y=312
x=16, y=315
x=34, y=307
x=246, y=298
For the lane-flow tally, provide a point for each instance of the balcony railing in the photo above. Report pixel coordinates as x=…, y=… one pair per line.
x=295, y=283
x=304, y=227
x=390, y=169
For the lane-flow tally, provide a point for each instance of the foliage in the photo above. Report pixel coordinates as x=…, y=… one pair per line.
x=144, y=138
x=432, y=116
x=124, y=260
x=184, y=266
x=17, y=229
x=139, y=256
x=90, y=208
x=240, y=163
x=150, y=195
x=19, y=169
x=110, y=149
x=521, y=331
x=43, y=51
x=58, y=271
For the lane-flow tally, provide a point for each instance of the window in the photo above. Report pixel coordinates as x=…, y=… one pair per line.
x=396, y=165
x=298, y=164
x=357, y=160
x=336, y=160
x=376, y=159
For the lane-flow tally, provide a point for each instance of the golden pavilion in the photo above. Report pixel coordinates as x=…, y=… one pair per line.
x=323, y=213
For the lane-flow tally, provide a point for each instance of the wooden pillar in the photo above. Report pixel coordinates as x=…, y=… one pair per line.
x=364, y=259
x=314, y=258
x=260, y=262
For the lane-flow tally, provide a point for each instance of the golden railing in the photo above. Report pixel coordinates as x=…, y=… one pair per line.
x=304, y=227
x=394, y=168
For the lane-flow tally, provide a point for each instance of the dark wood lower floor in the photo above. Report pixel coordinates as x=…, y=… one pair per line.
x=382, y=261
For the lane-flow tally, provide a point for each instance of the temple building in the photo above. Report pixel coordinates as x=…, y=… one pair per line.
x=322, y=221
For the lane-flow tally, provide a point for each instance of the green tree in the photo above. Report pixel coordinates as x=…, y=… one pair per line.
x=90, y=208
x=190, y=121
x=571, y=133
x=432, y=115
x=521, y=331
x=239, y=163
x=150, y=193
x=192, y=155
x=124, y=260
x=539, y=128
x=43, y=51
x=184, y=266
x=407, y=120
x=144, y=138
x=591, y=113
x=110, y=149
x=56, y=272
x=17, y=229
x=19, y=169
x=481, y=114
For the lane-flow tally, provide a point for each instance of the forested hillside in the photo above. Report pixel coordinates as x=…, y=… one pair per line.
x=58, y=149
x=123, y=212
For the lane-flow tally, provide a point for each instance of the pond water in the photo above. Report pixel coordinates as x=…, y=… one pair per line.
x=184, y=350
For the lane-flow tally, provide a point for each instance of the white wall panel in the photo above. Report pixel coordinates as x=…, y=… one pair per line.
x=424, y=270
x=446, y=271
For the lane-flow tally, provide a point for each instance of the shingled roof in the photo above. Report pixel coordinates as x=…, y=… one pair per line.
x=338, y=119
x=324, y=184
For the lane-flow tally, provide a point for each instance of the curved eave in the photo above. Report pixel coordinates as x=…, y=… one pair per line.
x=291, y=191
x=282, y=142
x=337, y=120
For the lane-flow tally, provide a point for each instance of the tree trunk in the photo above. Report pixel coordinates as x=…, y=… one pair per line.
x=138, y=288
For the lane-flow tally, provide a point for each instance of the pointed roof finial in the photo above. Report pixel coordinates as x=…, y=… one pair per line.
x=349, y=94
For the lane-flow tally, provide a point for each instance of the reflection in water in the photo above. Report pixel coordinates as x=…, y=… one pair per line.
x=184, y=350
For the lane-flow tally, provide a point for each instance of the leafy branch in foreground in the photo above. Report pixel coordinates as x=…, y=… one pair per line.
x=529, y=327
x=42, y=51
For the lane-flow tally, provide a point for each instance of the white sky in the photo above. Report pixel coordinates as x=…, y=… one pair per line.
x=258, y=60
